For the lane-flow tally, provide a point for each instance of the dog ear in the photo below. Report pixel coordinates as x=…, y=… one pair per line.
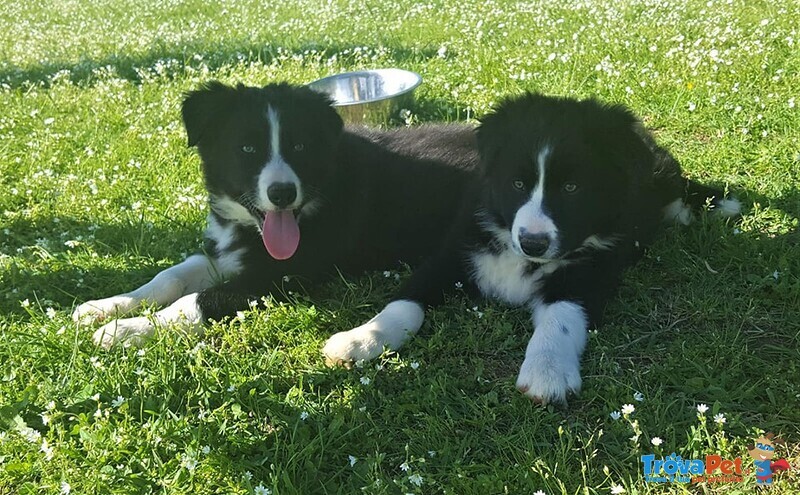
x=202, y=106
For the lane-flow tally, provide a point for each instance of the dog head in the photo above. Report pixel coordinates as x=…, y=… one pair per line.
x=267, y=154
x=560, y=173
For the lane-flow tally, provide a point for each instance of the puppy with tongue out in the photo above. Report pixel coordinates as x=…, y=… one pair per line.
x=281, y=234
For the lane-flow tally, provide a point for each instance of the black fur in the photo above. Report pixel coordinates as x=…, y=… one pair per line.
x=623, y=182
x=381, y=197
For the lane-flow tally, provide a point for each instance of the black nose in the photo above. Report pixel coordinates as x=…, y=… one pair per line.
x=533, y=245
x=282, y=194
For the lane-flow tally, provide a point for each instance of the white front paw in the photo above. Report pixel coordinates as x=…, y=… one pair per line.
x=548, y=377
x=100, y=310
x=346, y=347
x=126, y=331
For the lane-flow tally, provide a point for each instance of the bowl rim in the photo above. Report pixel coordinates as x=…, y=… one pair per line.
x=416, y=76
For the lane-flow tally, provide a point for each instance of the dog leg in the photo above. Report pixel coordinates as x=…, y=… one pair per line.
x=551, y=368
x=196, y=273
x=390, y=329
x=184, y=314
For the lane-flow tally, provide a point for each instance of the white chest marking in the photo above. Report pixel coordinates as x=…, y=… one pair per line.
x=505, y=276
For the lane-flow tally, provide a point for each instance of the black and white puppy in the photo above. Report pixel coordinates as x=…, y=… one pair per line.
x=293, y=193
x=570, y=194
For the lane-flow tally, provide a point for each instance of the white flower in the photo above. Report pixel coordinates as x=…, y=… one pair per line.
x=615, y=489
x=692, y=106
x=702, y=408
x=205, y=449
x=656, y=441
x=65, y=488
x=248, y=475
x=404, y=466
x=352, y=460
x=49, y=120
x=252, y=304
x=387, y=273
x=25, y=304
x=638, y=396
x=45, y=419
x=720, y=418
x=365, y=380
x=51, y=313
x=118, y=401
x=459, y=285
x=776, y=274
x=304, y=415
x=415, y=479
x=48, y=451
x=262, y=490
x=50, y=405
x=29, y=434
x=414, y=365
x=615, y=415
x=141, y=352
x=231, y=388
x=539, y=492
x=628, y=409
x=98, y=413
x=240, y=315
x=189, y=462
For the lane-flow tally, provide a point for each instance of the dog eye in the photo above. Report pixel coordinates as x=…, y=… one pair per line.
x=299, y=147
x=570, y=187
x=249, y=149
x=518, y=185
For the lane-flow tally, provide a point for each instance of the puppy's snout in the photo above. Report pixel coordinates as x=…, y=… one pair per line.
x=282, y=194
x=533, y=244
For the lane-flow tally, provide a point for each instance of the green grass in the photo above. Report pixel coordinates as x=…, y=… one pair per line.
x=99, y=192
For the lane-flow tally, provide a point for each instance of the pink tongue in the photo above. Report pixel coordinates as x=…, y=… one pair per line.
x=280, y=234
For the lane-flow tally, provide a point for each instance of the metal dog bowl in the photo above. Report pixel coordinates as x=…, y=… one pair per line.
x=370, y=96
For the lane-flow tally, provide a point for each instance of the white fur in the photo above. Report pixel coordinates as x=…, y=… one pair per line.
x=231, y=210
x=551, y=368
x=276, y=169
x=194, y=274
x=390, y=329
x=183, y=314
x=728, y=207
x=532, y=217
x=678, y=212
x=598, y=242
x=504, y=276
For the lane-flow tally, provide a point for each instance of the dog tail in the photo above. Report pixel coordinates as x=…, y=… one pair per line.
x=697, y=196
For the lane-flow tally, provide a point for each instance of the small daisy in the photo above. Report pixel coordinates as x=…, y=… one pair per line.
x=628, y=409
x=539, y=492
x=415, y=479
x=303, y=415
x=205, y=449
x=262, y=490
x=414, y=365
x=47, y=450
x=404, y=466
x=459, y=285
x=720, y=419
x=615, y=489
x=365, y=380
x=352, y=460
x=51, y=313
x=25, y=304
x=118, y=401
x=638, y=396
x=656, y=441
x=702, y=408
x=615, y=415
x=65, y=488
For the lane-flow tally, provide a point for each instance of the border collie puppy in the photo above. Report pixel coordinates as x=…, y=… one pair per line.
x=570, y=194
x=292, y=193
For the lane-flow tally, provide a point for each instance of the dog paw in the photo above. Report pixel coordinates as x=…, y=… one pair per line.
x=547, y=377
x=100, y=310
x=344, y=348
x=125, y=331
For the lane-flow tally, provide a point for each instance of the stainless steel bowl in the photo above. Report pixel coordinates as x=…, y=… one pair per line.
x=370, y=97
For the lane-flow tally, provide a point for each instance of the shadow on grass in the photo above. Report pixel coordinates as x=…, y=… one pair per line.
x=176, y=59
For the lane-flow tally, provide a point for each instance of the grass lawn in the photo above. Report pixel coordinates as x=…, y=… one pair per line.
x=98, y=192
